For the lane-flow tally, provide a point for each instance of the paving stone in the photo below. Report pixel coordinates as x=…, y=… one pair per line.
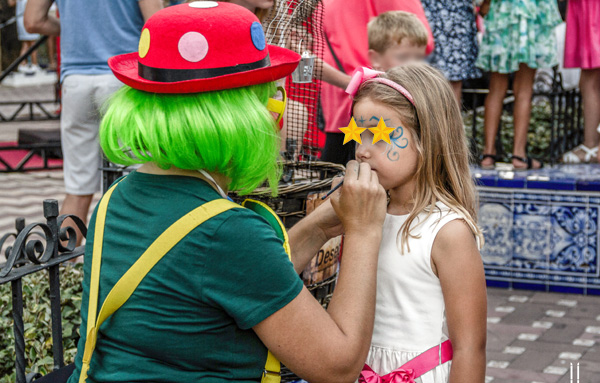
x=584, y=342
x=548, y=346
x=589, y=372
x=512, y=375
x=590, y=311
x=534, y=360
x=562, y=333
x=497, y=343
x=567, y=302
x=553, y=298
x=528, y=313
x=518, y=298
x=592, y=355
x=500, y=356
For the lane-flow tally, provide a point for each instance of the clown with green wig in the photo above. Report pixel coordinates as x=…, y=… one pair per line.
x=180, y=283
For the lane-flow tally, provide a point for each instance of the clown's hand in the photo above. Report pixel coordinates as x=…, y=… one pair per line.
x=361, y=202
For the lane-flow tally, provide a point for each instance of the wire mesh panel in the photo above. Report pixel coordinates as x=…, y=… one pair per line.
x=297, y=25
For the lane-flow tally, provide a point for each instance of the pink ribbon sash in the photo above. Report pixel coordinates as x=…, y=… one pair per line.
x=412, y=369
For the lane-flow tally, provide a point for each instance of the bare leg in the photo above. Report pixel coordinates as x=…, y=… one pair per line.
x=457, y=89
x=589, y=84
x=492, y=113
x=34, y=59
x=51, y=52
x=79, y=206
x=22, y=52
x=523, y=90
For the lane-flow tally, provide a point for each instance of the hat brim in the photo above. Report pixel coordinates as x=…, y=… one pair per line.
x=283, y=63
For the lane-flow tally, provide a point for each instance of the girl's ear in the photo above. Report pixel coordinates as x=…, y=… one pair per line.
x=375, y=59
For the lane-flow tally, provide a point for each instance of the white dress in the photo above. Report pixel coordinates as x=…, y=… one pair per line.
x=409, y=315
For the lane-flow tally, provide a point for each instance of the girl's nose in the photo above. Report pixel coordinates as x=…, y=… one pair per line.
x=362, y=152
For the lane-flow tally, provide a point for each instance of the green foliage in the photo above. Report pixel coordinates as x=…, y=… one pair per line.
x=538, y=137
x=37, y=321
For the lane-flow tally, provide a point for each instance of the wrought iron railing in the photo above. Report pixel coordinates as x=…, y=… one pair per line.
x=34, y=248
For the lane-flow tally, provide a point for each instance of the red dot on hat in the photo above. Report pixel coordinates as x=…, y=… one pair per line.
x=193, y=46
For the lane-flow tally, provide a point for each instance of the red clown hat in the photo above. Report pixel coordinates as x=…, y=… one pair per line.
x=202, y=46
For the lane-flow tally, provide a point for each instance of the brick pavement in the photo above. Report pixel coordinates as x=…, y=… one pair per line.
x=536, y=336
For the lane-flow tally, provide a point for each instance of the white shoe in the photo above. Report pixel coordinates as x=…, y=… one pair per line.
x=586, y=155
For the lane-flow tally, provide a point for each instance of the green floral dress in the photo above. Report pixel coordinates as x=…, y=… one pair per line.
x=519, y=31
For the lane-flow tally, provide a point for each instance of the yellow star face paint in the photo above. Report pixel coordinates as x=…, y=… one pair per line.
x=352, y=132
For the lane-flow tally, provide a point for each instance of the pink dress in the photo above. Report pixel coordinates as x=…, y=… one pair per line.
x=582, y=41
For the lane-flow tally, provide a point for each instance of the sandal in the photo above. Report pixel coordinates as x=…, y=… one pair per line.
x=581, y=154
x=488, y=167
x=528, y=161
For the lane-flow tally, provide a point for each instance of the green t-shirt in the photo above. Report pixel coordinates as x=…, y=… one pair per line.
x=191, y=317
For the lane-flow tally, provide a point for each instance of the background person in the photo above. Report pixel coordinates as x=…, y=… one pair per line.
x=396, y=38
x=349, y=43
x=90, y=33
x=455, y=35
x=519, y=38
x=582, y=50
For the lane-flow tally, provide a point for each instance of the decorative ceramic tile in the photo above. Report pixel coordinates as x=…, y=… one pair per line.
x=540, y=239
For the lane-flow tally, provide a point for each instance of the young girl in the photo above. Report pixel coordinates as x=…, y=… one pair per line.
x=431, y=284
x=519, y=37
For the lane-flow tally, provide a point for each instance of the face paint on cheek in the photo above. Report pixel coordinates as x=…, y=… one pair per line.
x=397, y=141
x=396, y=138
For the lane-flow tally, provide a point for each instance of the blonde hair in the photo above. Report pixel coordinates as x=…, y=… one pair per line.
x=260, y=13
x=437, y=129
x=392, y=27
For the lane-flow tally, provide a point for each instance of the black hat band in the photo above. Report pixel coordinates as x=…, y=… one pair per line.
x=176, y=75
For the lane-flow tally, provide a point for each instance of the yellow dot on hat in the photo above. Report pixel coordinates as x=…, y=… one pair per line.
x=144, y=45
x=203, y=4
x=193, y=46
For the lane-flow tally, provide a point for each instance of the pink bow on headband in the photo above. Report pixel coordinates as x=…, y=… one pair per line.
x=363, y=74
x=367, y=375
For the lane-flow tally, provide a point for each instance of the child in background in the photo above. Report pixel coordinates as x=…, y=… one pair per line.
x=27, y=40
x=519, y=38
x=430, y=280
x=395, y=38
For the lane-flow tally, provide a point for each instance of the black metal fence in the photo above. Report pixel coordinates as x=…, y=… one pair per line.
x=33, y=248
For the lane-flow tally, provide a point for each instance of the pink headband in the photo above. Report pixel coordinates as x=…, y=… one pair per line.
x=362, y=75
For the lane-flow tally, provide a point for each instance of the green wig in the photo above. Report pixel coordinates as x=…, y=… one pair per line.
x=228, y=131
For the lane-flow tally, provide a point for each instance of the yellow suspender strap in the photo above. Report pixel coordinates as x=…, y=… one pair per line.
x=272, y=372
x=123, y=289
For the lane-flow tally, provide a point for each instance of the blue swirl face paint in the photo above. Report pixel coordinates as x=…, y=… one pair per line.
x=362, y=121
x=397, y=141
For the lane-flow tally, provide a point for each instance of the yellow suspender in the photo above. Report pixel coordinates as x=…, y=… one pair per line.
x=125, y=286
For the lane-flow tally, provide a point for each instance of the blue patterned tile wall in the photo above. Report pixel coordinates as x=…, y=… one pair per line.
x=541, y=233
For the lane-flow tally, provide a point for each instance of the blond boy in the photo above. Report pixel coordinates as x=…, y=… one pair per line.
x=395, y=38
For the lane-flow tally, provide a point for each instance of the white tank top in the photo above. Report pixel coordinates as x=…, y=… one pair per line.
x=409, y=315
